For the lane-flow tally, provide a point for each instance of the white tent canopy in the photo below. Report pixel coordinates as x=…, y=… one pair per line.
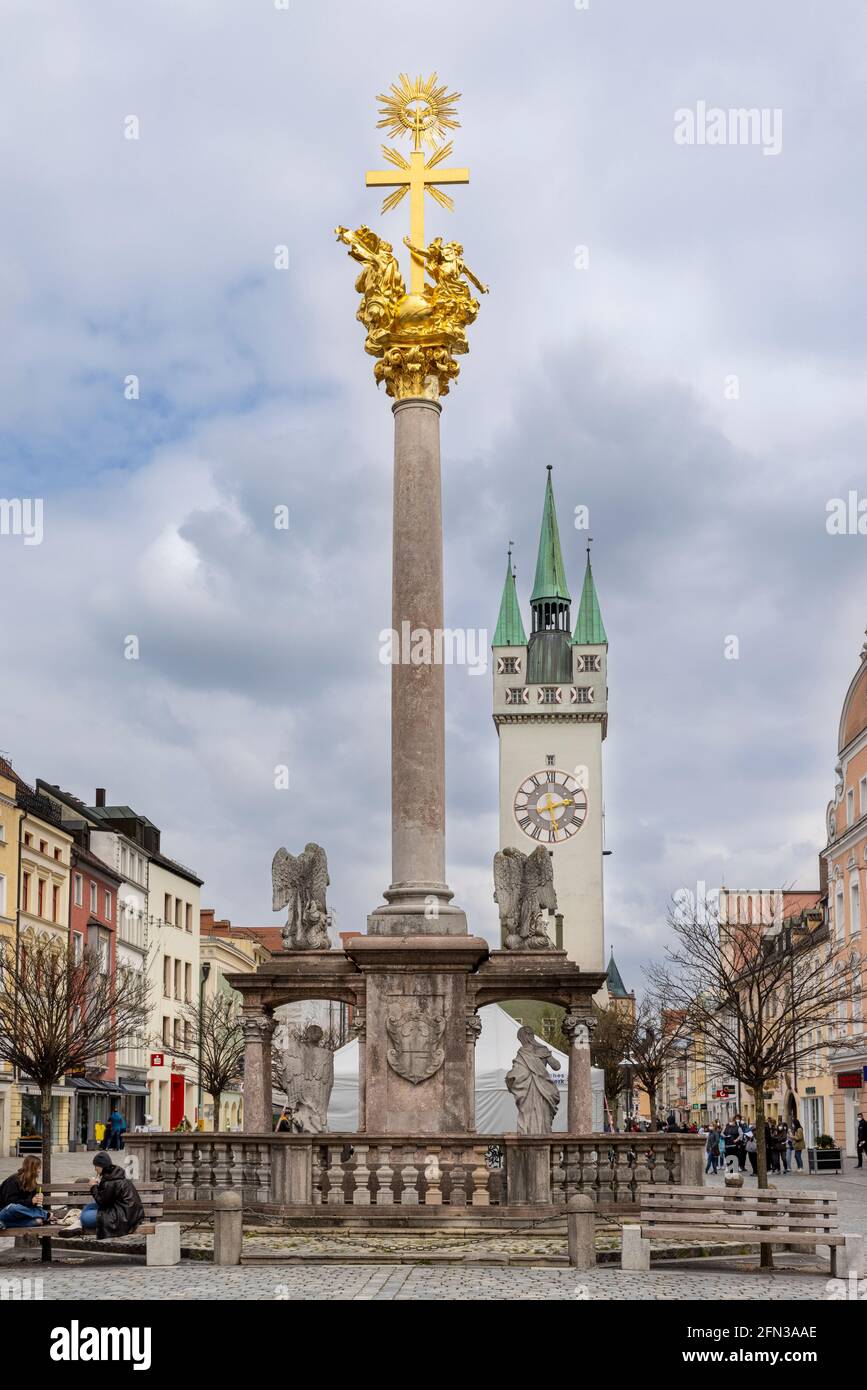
x=496, y=1049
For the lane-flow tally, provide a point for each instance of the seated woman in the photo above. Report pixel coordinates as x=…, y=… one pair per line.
x=116, y=1209
x=18, y=1197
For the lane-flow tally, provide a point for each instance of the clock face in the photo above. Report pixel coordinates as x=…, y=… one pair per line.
x=550, y=807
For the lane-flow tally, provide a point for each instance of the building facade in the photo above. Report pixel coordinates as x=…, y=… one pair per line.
x=845, y=866
x=173, y=973
x=550, y=708
x=44, y=852
x=10, y=817
x=226, y=950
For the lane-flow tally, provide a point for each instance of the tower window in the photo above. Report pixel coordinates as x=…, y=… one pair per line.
x=517, y=695
x=549, y=759
x=582, y=695
x=550, y=695
x=510, y=665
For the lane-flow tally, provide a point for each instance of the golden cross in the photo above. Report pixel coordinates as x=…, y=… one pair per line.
x=414, y=176
x=425, y=110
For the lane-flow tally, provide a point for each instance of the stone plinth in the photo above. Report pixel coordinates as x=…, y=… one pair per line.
x=418, y=1037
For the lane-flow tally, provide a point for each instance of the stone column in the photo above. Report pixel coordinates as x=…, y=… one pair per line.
x=258, y=1031
x=579, y=1116
x=418, y=901
x=359, y=1031
x=474, y=1031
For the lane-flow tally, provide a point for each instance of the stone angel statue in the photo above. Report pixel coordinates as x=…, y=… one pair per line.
x=524, y=890
x=300, y=881
x=308, y=1064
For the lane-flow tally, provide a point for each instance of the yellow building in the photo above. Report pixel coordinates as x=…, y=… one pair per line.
x=226, y=950
x=38, y=865
x=10, y=816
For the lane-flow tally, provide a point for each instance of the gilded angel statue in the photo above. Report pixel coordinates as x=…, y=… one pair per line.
x=523, y=891
x=300, y=881
x=379, y=281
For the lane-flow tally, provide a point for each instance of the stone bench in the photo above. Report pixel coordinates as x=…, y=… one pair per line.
x=758, y=1217
x=162, y=1238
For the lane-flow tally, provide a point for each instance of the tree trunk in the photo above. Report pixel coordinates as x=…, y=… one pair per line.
x=45, y=1105
x=651, y=1101
x=216, y=1096
x=766, y=1254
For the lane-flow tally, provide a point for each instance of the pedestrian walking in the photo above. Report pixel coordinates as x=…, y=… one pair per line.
x=798, y=1143
x=752, y=1151
x=711, y=1148
x=862, y=1139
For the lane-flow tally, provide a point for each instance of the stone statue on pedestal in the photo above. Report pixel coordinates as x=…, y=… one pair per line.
x=523, y=890
x=536, y=1095
x=308, y=1067
x=300, y=881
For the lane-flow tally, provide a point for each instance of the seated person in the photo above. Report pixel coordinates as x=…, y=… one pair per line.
x=20, y=1198
x=116, y=1209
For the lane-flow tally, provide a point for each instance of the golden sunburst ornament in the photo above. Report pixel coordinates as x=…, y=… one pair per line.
x=423, y=108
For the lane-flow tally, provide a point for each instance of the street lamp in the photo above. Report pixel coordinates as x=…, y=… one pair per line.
x=203, y=975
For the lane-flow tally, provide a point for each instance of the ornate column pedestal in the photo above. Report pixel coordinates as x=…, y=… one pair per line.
x=259, y=1028
x=416, y=1077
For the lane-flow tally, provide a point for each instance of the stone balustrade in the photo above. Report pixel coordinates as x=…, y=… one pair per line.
x=484, y=1172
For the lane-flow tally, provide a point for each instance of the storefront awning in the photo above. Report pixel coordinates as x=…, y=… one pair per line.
x=133, y=1088
x=85, y=1083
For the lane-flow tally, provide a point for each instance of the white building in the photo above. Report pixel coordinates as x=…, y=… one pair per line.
x=173, y=971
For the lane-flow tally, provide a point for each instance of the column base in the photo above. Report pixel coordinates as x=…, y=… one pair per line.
x=417, y=909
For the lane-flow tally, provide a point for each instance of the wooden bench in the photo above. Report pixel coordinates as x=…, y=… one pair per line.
x=756, y=1216
x=162, y=1238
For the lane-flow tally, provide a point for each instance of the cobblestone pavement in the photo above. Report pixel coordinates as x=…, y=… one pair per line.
x=196, y=1281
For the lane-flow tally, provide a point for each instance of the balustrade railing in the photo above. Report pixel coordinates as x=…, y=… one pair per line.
x=441, y=1171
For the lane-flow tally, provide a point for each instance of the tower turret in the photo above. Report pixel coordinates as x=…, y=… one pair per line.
x=549, y=658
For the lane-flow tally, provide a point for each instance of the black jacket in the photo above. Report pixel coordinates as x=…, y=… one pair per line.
x=12, y=1191
x=120, y=1208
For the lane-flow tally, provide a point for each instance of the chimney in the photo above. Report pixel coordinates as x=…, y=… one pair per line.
x=100, y=796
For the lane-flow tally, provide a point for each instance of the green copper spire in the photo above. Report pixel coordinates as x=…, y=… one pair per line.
x=550, y=572
x=589, y=629
x=510, y=628
x=614, y=980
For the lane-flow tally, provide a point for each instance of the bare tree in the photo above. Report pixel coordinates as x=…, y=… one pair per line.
x=654, y=1040
x=60, y=1014
x=757, y=996
x=213, y=1040
x=609, y=1044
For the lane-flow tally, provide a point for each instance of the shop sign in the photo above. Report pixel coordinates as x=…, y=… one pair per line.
x=849, y=1080
x=158, y=1059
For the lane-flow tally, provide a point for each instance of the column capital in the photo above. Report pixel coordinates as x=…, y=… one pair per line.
x=474, y=1028
x=577, y=1027
x=259, y=1027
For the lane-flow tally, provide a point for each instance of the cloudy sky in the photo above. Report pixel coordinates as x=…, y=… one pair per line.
x=258, y=647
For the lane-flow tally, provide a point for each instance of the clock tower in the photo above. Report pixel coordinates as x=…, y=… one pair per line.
x=551, y=715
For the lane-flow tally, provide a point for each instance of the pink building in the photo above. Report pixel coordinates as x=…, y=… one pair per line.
x=845, y=861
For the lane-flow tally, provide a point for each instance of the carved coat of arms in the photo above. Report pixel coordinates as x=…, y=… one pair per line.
x=415, y=1046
